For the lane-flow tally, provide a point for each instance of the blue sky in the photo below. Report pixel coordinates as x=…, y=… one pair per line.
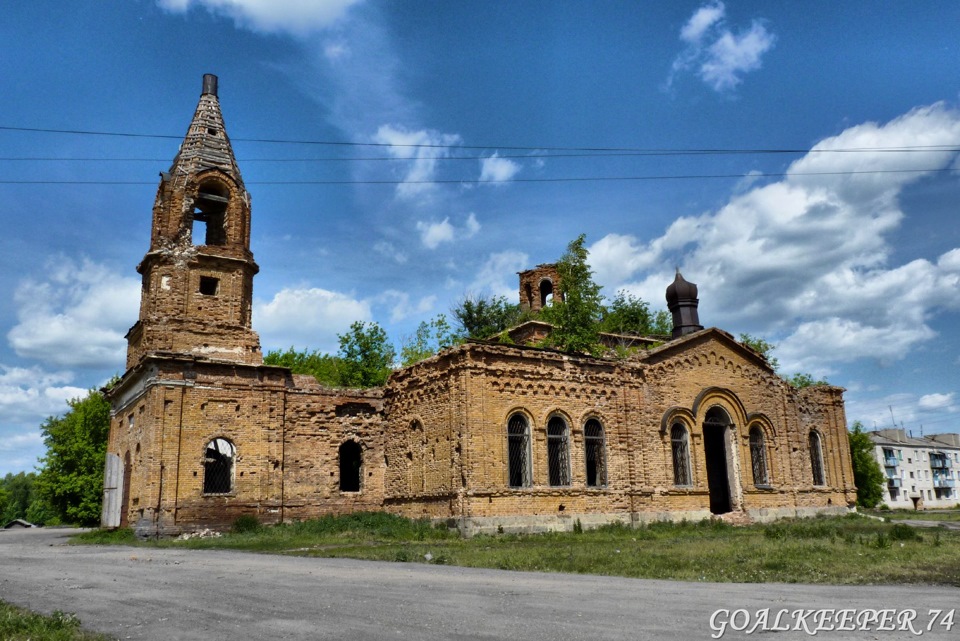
x=840, y=244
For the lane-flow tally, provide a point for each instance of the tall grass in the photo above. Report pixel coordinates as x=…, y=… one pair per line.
x=17, y=624
x=837, y=550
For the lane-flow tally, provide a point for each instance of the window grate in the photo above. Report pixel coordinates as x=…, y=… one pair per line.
x=816, y=459
x=758, y=456
x=218, y=467
x=681, y=455
x=558, y=452
x=595, y=453
x=518, y=445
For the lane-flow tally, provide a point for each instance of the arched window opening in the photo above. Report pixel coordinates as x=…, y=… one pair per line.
x=546, y=292
x=816, y=459
x=680, y=443
x=518, y=446
x=218, y=465
x=210, y=210
x=595, y=450
x=758, y=457
x=351, y=466
x=558, y=451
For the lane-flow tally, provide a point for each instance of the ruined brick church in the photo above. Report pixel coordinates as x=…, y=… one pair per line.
x=485, y=436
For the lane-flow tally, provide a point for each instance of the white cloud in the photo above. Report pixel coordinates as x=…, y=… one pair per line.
x=422, y=149
x=401, y=307
x=805, y=260
x=76, y=316
x=387, y=249
x=720, y=56
x=473, y=226
x=297, y=17
x=936, y=402
x=701, y=20
x=497, y=170
x=497, y=276
x=434, y=233
x=30, y=394
x=307, y=318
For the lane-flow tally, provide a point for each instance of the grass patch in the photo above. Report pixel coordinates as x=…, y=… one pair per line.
x=834, y=550
x=17, y=624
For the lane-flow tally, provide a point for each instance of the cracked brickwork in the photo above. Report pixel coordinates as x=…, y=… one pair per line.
x=433, y=442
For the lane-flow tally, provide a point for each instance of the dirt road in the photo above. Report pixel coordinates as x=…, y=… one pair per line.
x=168, y=595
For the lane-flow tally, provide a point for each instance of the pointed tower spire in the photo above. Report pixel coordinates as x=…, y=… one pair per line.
x=198, y=273
x=206, y=145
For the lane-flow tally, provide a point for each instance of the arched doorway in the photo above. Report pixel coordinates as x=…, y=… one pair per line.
x=716, y=453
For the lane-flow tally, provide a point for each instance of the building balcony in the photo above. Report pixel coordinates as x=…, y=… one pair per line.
x=894, y=482
x=940, y=463
x=890, y=461
x=944, y=483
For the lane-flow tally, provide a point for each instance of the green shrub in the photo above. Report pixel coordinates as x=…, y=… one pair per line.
x=246, y=524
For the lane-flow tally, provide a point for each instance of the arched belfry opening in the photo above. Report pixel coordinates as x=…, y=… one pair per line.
x=539, y=287
x=716, y=449
x=546, y=292
x=210, y=211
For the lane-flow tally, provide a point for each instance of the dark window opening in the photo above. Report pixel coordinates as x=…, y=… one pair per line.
x=211, y=131
x=518, y=445
x=210, y=209
x=209, y=286
x=218, y=467
x=351, y=466
x=595, y=453
x=680, y=444
x=558, y=452
x=816, y=459
x=546, y=292
x=758, y=457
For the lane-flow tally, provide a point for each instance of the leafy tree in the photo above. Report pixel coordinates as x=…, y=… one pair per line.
x=366, y=356
x=324, y=367
x=485, y=317
x=802, y=379
x=17, y=491
x=71, y=476
x=628, y=314
x=867, y=474
x=429, y=339
x=758, y=344
x=576, y=318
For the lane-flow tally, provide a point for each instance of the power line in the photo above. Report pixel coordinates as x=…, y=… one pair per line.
x=500, y=182
x=953, y=147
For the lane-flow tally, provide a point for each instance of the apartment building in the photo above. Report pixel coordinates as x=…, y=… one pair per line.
x=922, y=473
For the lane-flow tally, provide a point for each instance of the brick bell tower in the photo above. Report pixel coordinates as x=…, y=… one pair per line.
x=198, y=274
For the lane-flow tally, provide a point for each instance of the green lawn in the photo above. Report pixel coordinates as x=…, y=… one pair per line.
x=836, y=550
x=17, y=624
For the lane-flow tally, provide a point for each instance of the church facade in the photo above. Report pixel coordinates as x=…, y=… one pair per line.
x=485, y=436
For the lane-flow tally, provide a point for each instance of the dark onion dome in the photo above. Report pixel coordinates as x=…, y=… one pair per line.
x=680, y=289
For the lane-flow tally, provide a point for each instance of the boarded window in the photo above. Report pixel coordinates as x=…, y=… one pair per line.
x=758, y=457
x=816, y=460
x=680, y=444
x=218, y=467
x=558, y=451
x=518, y=446
x=351, y=466
x=595, y=450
